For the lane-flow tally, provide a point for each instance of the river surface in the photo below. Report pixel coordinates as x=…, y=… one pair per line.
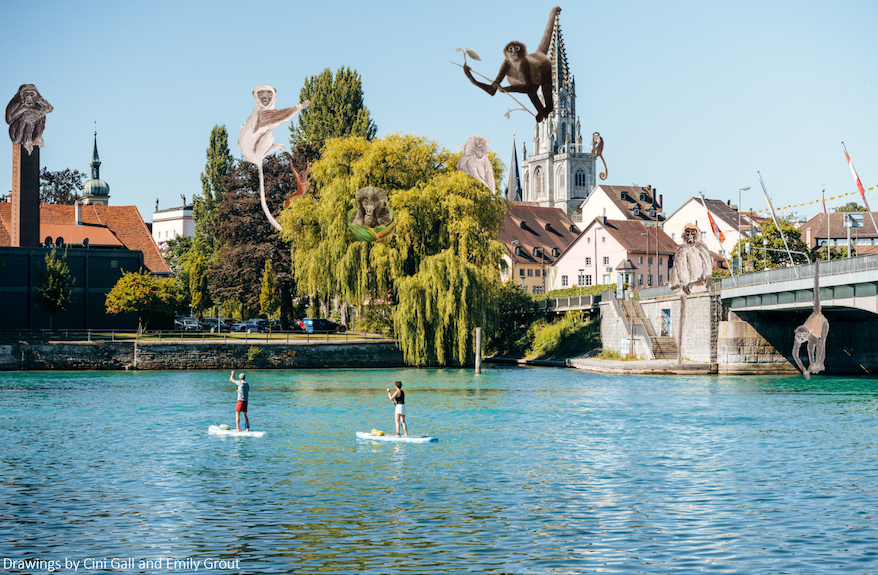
x=537, y=470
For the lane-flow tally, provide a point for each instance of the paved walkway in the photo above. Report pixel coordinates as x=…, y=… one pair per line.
x=643, y=366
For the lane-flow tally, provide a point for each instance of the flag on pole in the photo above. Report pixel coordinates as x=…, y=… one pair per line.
x=718, y=233
x=823, y=203
x=777, y=223
x=859, y=185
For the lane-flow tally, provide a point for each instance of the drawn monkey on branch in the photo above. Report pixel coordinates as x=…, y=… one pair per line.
x=26, y=116
x=813, y=332
x=256, y=138
x=475, y=161
x=527, y=73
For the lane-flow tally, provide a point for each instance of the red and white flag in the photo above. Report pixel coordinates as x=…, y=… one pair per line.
x=716, y=231
x=857, y=179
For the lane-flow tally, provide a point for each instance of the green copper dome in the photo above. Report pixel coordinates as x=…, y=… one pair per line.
x=95, y=186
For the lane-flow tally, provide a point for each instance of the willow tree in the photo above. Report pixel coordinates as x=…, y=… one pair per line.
x=439, y=269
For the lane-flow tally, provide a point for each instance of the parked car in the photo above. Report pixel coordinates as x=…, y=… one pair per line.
x=187, y=324
x=214, y=325
x=252, y=325
x=321, y=325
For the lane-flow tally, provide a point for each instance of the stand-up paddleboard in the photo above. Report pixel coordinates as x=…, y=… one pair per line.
x=217, y=431
x=397, y=439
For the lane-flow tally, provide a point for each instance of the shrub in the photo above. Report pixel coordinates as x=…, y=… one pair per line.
x=254, y=353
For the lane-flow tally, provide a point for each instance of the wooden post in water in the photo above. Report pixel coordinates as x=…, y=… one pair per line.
x=478, y=350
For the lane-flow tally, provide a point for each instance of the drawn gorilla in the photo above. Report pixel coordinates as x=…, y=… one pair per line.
x=26, y=116
x=475, y=161
x=372, y=208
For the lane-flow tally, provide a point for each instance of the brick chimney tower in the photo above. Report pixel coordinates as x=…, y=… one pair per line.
x=26, y=116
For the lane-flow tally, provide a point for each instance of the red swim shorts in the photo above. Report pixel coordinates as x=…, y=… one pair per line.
x=241, y=406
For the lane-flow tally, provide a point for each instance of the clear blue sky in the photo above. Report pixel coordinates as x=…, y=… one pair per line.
x=689, y=96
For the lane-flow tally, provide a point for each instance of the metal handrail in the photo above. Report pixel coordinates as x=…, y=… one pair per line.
x=161, y=336
x=864, y=263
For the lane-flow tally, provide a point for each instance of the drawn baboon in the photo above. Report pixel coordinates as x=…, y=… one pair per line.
x=26, y=116
x=372, y=208
x=475, y=161
x=692, y=270
x=527, y=73
x=814, y=332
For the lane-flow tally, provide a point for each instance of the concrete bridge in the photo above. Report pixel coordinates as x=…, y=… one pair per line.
x=746, y=324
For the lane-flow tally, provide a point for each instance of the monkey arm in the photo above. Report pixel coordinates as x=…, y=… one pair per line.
x=797, y=344
x=492, y=88
x=271, y=119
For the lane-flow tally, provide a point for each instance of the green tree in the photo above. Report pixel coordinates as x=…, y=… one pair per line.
x=144, y=295
x=198, y=285
x=851, y=207
x=776, y=256
x=439, y=268
x=268, y=298
x=336, y=109
x=60, y=187
x=213, y=184
x=54, y=290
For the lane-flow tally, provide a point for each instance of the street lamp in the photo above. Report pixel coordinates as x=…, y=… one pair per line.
x=739, y=221
x=579, y=279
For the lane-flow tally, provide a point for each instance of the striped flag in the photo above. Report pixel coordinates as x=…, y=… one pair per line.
x=823, y=203
x=856, y=178
x=716, y=231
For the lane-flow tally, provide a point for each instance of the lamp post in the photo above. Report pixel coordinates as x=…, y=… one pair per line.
x=579, y=280
x=739, y=221
x=848, y=223
x=765, y=257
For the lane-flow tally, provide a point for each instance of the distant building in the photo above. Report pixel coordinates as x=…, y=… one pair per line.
x=606, y=245
x=830, y=229
x=634, y=203
x=534, y=238
x=172, y=223
x=724, y=214
x=560, y=172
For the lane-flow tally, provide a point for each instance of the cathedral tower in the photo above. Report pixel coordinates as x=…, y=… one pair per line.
x=560, y=172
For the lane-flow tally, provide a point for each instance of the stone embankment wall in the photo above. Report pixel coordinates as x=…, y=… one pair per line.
x=196, y=355
x=703, y=311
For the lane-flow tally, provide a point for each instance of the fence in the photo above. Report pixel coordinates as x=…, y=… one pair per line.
x=46, y=336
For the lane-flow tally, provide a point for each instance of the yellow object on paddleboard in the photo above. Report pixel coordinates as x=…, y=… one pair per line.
x=377, y=432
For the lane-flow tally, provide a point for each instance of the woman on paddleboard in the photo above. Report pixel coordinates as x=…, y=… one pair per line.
x=398, y=398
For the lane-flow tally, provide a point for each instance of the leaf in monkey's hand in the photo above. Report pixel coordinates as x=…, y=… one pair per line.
x=507, y=114
x=473, y=55
x=459, y=50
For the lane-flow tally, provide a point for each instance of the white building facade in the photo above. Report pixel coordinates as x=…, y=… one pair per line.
x=171, y=223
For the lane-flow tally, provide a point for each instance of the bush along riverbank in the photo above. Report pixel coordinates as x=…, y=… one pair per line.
x=573, y=335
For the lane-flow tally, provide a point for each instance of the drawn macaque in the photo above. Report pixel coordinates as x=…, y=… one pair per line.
x=372, y=208
x=26, y=116
x=692, y=271
x=597, y=151
x=813, y=332
x=475, y=161
x=256, y=138
x=527, y=73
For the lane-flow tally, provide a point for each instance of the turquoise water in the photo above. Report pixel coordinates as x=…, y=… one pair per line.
x=538, y=470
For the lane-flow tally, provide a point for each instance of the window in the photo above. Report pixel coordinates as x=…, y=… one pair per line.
x=661, y=279
x=674, y=236
x=538, y=290
x=640, y=260
x=640, y=280
x=652, y=212
x=530, y=273
x=603, y=239
x=579, y=178
x=588, y=240
x=649, y=260
x=703, y=236
x=660, y=260
x=114, y=264
x=588, y=279
x=588, y=261
x=563, y=281
x=521, y=272
x=538, y=182
x=606, y=261
x=649, y=280
x=636, y=210
x=642, y=197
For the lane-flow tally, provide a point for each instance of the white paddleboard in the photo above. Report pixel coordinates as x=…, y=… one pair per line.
x=217, y=431
x=394, y=438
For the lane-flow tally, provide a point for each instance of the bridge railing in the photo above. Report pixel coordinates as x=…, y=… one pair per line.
x=574, y=301
x=831, y=268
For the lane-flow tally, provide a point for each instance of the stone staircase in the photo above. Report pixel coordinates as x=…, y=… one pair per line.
x=662, y=347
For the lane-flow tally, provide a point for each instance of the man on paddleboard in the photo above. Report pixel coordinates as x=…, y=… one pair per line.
x=241, y=406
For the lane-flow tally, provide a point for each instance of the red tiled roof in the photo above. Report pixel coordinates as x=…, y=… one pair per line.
x=102, y=225
x=536, y=227
x=817, y=225
x=631, y=235
x=632, y=199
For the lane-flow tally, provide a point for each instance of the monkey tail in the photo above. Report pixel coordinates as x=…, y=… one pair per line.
x=264, y=203
x=605, y=172
x=680, y=329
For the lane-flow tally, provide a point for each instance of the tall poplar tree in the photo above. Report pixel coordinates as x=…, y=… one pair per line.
x=336, y=109
x=268, y=298
x=198, y=285
x=213, y=184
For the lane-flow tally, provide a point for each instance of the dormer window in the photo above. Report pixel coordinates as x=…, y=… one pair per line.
x=517, y=250
x=536, y=252
x=636, y=210
x=556, y=252
x=522, y=224
x=624, y=196
x=652, y=212
x=642, y=197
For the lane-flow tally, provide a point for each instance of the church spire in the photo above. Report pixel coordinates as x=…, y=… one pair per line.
x=95, y=161
x=513, y=188
x=558, y=57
